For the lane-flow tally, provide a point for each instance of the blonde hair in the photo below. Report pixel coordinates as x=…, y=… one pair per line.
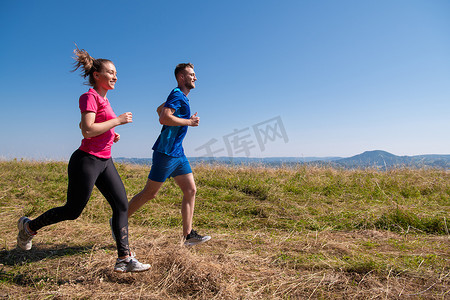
x=88, y=64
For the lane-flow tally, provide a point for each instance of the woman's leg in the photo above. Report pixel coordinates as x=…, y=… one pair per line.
x=83, y=170
x=112, y=188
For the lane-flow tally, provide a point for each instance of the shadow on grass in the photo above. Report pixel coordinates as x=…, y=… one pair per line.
x=28, y=278
x=18, y=257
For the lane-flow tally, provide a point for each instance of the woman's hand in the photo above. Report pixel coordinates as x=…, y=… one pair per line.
x=116, y=137
x=91, y=129
x=125, y=118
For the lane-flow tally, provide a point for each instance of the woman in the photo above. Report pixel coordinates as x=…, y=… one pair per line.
x=91, y=164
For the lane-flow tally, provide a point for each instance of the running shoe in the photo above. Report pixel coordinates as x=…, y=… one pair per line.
x=130, y=264
x=24, y=237
x=194, y=238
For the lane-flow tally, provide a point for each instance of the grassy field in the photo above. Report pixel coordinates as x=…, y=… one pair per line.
x=285, y=233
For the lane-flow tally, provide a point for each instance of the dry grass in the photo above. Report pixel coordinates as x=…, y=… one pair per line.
x=252, y=255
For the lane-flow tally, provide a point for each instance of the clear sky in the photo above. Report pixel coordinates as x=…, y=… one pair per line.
x=275, y=78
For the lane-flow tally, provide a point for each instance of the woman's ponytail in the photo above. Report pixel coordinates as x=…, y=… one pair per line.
x=88, y=64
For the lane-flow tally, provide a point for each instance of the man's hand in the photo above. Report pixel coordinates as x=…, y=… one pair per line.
x=160, y=108
x=194, y=120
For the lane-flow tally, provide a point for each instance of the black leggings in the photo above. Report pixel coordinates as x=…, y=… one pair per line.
x=85, y=171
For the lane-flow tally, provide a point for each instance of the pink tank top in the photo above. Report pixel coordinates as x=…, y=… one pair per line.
x=100, y=145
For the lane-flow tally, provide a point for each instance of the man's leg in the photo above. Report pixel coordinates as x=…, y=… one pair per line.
x=187, y=184
x=148, y=193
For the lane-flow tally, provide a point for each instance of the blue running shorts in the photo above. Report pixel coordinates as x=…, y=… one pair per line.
x=165, y=166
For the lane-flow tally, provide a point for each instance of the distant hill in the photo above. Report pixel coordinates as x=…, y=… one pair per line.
x=375, y=158
x=370, y=159
x=384, y=160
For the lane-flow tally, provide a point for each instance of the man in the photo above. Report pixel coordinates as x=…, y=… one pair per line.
x=169, y=159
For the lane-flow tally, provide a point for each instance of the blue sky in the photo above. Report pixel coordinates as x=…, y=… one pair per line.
x=311, y=78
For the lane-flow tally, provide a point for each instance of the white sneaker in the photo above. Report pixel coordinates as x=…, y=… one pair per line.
x=194, y=238
x=24, y=238
x=130, y=264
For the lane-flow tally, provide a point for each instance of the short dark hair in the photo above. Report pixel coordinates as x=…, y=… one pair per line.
x=182, y=67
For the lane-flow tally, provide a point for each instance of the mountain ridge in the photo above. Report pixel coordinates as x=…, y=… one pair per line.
x=378, y=159
x=384, y=160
